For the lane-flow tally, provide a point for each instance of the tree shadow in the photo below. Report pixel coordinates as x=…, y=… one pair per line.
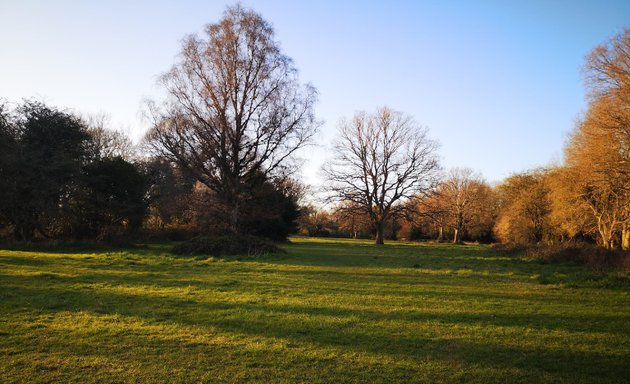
x=344, y=326
x=344, y=329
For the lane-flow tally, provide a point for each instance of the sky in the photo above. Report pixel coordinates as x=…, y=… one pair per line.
x=497, y=83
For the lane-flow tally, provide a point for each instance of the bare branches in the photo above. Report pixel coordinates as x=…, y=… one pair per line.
x=235, y=106
x=598, y=154
x=380, y=162
x=107, y=143
x=463, y=193
x=607, y=69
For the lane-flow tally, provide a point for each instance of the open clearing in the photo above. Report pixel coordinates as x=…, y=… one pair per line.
x=327, y=311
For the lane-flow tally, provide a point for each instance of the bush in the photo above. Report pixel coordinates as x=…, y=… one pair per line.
x=510, y=249
x=592, y=256
x=224, y=245
x=168, y=234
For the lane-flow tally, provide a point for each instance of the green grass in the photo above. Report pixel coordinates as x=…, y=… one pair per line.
x=327, y=311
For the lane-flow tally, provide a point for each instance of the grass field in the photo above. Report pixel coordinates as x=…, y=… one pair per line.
x=327, y=311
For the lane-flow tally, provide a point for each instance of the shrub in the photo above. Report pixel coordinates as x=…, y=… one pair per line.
x=224, y=245
x=594, y=257
x=510, y=249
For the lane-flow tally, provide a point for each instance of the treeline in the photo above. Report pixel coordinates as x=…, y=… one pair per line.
x=60, y=178
x=585, y=199
x=63, y=177
x=542, y=206
x=219, y=158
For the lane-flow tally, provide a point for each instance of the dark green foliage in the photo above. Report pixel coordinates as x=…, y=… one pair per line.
x=113, y=201
x=46, y=149
x=8, y=165
x=226, y=245
x=271, y=209
x=54, y=185
x=169, y=193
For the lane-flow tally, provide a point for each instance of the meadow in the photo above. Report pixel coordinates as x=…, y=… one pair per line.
x=326, y=311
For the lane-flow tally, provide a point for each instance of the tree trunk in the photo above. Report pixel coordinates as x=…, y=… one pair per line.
x=24, y=230
x=606, y=233
x=456, y=236
x=379, y=234
x=441, y=234
x=234, y=217
x=625, y=237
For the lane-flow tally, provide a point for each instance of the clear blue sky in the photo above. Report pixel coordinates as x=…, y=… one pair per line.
x=497, y=82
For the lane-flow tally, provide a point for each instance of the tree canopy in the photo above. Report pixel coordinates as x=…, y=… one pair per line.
x=381, y=160
x=235, y=109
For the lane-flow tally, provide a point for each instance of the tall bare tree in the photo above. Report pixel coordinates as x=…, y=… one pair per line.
x=235, y=108
x=598, y=163
x=598, y=153
x=380, y=161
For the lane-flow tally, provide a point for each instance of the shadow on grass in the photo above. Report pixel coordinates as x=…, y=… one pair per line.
x=75, y=247
x=339, y=254
x=346, y=330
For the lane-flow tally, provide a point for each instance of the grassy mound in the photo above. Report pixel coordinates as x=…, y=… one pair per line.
x=225, y=245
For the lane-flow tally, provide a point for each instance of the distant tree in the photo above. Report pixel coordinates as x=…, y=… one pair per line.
x=171, y=196
x=598, y=161
x=598, y=154
x=314, y=221
x=47, y=150
x=272, y=208
x=9, y=165
x=235, y=108
x=462, y=195
x=114, y=201
x=352, y=220
x=484, y=214
x=524, y=208
x=431, y=215
x=462, y=206
x=569, y=212
x=106, y=142
x=380, y=161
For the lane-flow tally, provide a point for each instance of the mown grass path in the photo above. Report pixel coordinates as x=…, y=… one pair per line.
x=327, y=311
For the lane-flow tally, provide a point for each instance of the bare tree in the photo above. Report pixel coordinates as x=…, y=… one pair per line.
x=433, y=211
x=462, y=192
x=607, y=70
x=598, y=153
x=381, y=161
x=524, y=208
x=598, y=163
x=235, y=107
x=106, y=142
x=352, y=220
